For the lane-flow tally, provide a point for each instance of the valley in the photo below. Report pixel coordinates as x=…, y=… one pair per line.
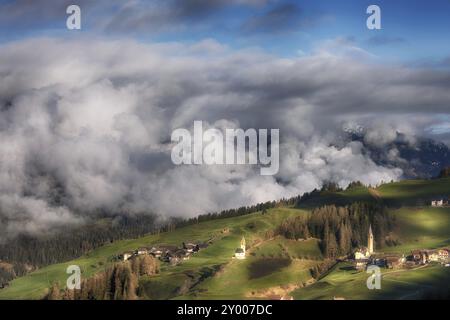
x=276, y=267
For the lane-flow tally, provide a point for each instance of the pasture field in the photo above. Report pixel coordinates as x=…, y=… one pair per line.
x=275, y=267
x=345, y=282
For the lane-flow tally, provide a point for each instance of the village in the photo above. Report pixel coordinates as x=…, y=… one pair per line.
x=166, y=253
x=441, y=202
x=175, y=255
x=362, y=258
x=366, y=256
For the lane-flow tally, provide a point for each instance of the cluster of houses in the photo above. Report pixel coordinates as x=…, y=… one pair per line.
x=417, y=257
x=175, y=255
x=167, y=253
x=427, y=256
x=366, y=256
x=441, y=202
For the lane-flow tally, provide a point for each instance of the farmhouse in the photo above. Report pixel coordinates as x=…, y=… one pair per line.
x=394, y=261
x=162, y=250
x=176, y=257
x=183, y=254
x=156, y=252
x=440, y=202
x=420, y=256
x=437, y=203
x=141, y=251
x=443, y=254
x=126, y=255
x=433, y=256
x=191, y=247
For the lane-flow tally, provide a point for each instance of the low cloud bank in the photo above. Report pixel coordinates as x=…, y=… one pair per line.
x=86, y=126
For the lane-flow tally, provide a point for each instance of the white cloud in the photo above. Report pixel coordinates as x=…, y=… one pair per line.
x=93, y=119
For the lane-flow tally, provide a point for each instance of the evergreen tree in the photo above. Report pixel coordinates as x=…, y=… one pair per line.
x=54, y=293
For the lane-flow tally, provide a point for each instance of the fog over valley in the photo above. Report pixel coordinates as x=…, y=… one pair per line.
x=85, y=124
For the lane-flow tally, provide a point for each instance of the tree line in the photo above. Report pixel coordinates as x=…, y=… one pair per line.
x=263, y=207
x=119, y=282
x=341, y=229
x=27, y=253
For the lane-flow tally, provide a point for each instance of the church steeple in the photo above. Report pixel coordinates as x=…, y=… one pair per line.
x=370, y=240
x=243, y=244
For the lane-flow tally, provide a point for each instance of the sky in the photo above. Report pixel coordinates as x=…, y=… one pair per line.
x=412, y=30
x=86, y=115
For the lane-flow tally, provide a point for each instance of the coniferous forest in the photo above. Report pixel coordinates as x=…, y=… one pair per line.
x=119, y=282
x=26, y=253
x=341, y=229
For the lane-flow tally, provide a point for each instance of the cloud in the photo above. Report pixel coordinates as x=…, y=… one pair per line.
x=85, y=125
x=116, y=16
x=281, y=18
x=32, y=216
x=380, y=40
x=156, y=16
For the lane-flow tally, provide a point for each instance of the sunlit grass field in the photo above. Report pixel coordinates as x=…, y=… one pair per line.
x=344, y=282
x=275, y=266
x=253, y=226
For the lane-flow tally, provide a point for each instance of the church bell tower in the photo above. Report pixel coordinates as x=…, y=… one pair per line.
x=243, y=244
x=370, y=240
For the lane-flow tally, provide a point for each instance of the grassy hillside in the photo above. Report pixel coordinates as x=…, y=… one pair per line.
x=414, y=192
x=342, y=198
x=406, y=192
x=253, y=227
x=275, y=266
x=344, y=282
x=421, y=228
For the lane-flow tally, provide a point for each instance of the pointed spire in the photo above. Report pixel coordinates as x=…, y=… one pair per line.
x=370, y=240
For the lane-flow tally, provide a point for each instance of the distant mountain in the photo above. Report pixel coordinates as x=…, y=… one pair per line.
x=425, y=158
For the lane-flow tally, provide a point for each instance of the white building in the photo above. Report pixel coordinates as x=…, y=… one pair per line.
x=240, y=252
x=437, y=203
x=365, y=252
x=141, y=251
x=127, y=255
x=362, y=253
x=370, y=246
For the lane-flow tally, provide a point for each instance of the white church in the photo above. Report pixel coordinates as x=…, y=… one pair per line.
x=240, y=252
x=364, y=253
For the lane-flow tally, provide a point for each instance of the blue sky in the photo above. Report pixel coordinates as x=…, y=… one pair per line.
x=412, y=30
x=414, y=33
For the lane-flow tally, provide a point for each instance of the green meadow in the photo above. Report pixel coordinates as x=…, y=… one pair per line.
x=274, y=266
x=347, y=283
x=226, y=235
